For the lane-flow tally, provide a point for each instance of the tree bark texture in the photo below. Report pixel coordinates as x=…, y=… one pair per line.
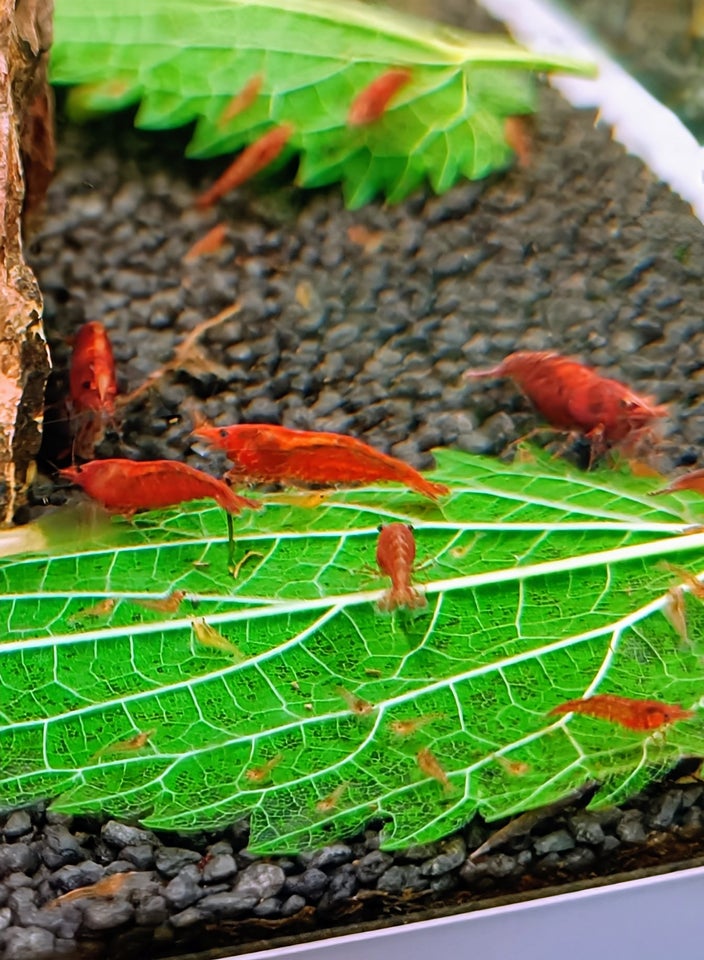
x=26, y=147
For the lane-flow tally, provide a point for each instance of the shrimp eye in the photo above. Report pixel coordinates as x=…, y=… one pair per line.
x=380, y=527
x=223, y=433
x=409, y=526
x=86, y=385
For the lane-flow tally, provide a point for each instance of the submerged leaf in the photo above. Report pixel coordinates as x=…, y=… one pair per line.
x=239, y=68
x=543, y=584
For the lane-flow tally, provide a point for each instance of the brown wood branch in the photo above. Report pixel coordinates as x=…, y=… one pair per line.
x=25, y=35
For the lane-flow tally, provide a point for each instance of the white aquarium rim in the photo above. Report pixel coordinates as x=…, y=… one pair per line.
x=646, y=127
x=645, y=919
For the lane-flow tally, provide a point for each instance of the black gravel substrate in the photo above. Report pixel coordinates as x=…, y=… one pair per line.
x=359, y=322
x=206, y=892
x=363, y=321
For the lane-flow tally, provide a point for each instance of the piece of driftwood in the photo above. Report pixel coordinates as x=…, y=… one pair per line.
x=26, y=143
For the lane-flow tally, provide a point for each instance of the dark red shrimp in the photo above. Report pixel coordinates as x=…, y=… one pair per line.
x=265, y=453
x=92, y=386
x=371, y=103
x=629, y=712
x=574, y=397
x=247, y=164
x=126, y=486
x=395, y=553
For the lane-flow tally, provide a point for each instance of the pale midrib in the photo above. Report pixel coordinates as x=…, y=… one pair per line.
x=498, y=527
x=267, y=608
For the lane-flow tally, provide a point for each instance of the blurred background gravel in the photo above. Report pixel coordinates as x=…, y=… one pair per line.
x=364, y=321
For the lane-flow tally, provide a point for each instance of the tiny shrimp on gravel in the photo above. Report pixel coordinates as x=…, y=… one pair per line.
x=575, y=398
x=92, y=387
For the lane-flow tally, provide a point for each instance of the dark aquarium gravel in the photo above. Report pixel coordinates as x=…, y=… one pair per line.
x=361, y=322
x=172, y=893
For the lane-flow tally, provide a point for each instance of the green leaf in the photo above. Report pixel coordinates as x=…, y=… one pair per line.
x=543, y=584
x=184, y=60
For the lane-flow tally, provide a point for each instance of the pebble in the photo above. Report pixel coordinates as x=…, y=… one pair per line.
x=141, y=855
x=263, y=410
x=121, y=835
x=421, y=851
x=107, y=914
x=690, y=795
x=664, y=810
x=260, y=881
x=343, y=884
x=60, y=847
x=630, y=829
x=292, y=905
x=152, y=912
x=15, y=880
x=554, y=842
x=28, y=943
x=17, y=857
x=586, y=828
x=371, y=866
x=21, y=899
x=610, y=844
x=578, y=859
x=310, y=884
x=221, y=867
x=76, y=875
x=17, y=825
x=452, y=854
x=500, y=865
x=187, y=918
x=63, y=919
x=170, y=860
x=548, y=864
x=118, y=866
x=399, y=878
x=184, y=889
x=692, y=826
x=444, y=883
x=271, y=907
x=227, y=904
x=330, y=856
